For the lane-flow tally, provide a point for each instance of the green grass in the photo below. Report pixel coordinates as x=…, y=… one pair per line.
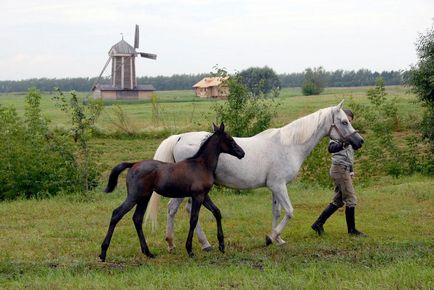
x=181, y=111
x=55, y=243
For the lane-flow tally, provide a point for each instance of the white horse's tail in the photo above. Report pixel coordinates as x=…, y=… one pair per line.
x=164, y=153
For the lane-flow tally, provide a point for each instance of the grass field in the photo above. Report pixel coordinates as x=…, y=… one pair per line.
x=54, y=243
x=180, y=110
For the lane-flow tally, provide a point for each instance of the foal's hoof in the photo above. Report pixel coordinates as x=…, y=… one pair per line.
x=268, y=240
x=207, y=249
x=150, y=256
x=101, y=258
x=191, y=255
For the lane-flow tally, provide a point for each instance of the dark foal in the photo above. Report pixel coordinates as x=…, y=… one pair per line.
x=192, y=177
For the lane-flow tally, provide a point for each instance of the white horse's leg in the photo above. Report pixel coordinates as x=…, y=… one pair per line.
x=205, y=245
x=172, y=208
x=280, y=193
x=276, y=216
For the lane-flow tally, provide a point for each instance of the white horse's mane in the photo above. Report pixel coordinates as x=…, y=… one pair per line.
x=300, y=130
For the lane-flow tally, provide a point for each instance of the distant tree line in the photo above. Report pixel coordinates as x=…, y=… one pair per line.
x=341, y=78
x=338, y=78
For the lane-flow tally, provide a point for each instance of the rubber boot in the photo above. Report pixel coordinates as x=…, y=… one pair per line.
x=351, y=224
x=327, y=212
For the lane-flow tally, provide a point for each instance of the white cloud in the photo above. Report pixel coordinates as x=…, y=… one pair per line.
x=58, y=38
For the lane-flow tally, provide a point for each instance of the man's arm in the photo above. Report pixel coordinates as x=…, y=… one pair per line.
x=335, y=146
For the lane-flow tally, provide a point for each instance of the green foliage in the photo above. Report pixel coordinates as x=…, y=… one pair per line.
x=382, y=154
x=120, y=119
x=35, y=161
x=315, y=167
x=260, y=81
x=83, y=119
x=243, y=113
x=421, y=80
x=338, y=78
x=314, y=81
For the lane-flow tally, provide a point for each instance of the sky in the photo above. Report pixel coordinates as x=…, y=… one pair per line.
x=71, y=38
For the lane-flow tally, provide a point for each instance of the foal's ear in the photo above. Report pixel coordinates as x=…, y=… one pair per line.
x=222, y=127
x=214, y=127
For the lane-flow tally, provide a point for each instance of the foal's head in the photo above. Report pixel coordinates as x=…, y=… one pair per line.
x=227, y=143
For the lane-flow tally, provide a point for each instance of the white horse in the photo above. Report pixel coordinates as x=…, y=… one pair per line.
x=273, y=158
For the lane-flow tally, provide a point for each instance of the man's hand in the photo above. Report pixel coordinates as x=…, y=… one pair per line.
x=352, y=174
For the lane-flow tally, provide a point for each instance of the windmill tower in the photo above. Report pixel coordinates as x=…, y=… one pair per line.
x=123, y=73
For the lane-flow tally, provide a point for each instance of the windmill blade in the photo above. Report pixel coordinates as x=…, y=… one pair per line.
x=99, y=77
x=136, y=37
x=148, y=55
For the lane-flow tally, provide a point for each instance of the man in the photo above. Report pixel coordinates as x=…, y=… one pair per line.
x=341, y=172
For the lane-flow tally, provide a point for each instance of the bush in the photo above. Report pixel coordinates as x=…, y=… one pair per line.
x=35, y=161
x=243, y=113
x=314, y=81
x=381, y=154
x=421, y=80
x=260, y=81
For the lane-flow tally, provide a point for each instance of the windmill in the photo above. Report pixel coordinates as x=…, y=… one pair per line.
x=123, y=73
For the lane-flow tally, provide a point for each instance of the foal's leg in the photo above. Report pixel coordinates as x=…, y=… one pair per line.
x=280, y=192
x=117, y=215
x=172, y=208
x=138, y=221
x=205, y=245
x=196, y=204
x=218, y=217
x=276, y=216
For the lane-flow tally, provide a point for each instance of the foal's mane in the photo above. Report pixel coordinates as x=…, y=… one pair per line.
x=299, y=131
x=203, y=145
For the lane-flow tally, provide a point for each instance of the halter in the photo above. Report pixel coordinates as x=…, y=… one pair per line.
x=333, y=126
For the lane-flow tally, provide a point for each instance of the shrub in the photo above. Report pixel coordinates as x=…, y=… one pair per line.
x=35, y=161
x=421, y=79
x=381, y=154
x=83, y=119
x=243, y=113
x=314, y=81
x=260, y=81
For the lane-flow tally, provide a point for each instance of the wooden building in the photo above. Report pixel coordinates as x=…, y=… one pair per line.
x=123, y=73
x=212, y=87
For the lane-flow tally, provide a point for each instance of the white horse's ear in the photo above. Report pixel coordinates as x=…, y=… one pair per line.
x=340, y=104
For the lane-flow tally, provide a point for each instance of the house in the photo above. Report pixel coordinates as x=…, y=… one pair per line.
x=212, y=87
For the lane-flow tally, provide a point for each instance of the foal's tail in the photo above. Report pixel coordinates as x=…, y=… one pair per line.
x=113, y=179
x=164, y=153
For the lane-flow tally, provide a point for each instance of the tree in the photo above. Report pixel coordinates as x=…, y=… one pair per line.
x=244, y=114
x=421, y=79
x=260, y=81
x=314, y=81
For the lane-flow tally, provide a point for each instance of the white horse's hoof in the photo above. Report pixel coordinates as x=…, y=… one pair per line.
x=279, y=241
x=171, y=249
x=207, y=249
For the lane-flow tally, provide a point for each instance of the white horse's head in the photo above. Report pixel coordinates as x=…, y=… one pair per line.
x=342, y=130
